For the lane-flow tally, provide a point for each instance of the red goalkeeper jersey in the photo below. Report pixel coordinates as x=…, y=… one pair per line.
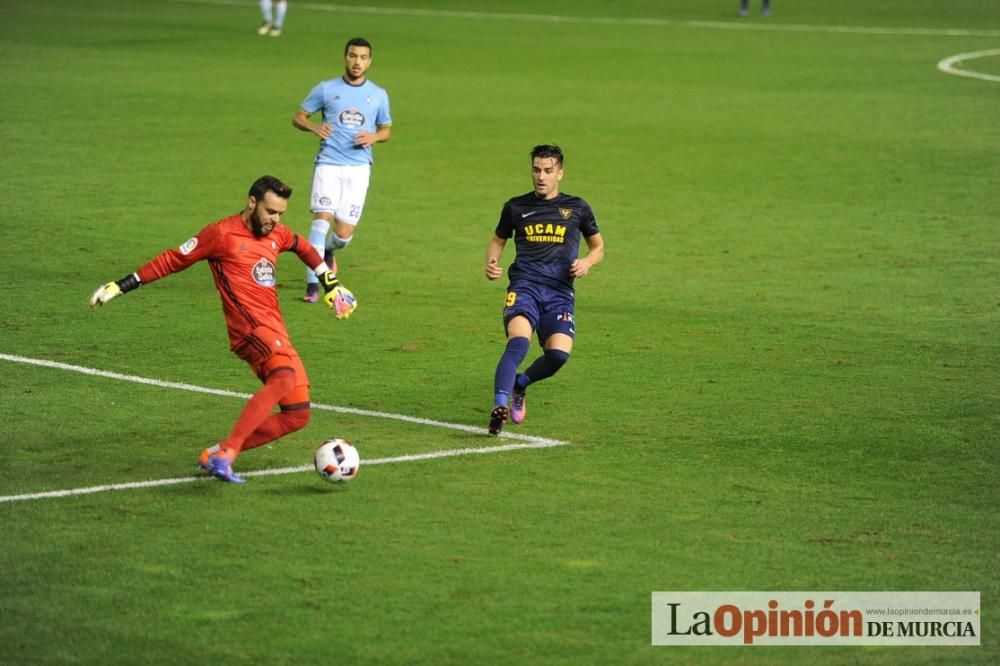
x=244, y=270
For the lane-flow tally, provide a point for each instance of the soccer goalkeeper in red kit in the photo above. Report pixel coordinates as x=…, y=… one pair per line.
x=242, y=251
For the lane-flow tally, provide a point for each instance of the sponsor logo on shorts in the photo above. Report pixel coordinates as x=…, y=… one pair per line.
x=188, y=246
x=325, y=201
x=263, y=273
x=352, y=118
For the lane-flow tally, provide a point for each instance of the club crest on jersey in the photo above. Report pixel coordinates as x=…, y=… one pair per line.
x=263, y=273
x=565, y=213
x=352, y=118
x=188, y=246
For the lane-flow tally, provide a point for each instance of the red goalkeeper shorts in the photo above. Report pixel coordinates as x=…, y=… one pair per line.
x=266, y=350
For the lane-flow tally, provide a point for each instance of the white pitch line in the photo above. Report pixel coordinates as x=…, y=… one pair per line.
x=599, y=20
x=452, y=453
x=947, y=67
x=530, y=442
x=234, y=394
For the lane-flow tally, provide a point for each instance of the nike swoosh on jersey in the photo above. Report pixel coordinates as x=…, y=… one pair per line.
x=528, y=214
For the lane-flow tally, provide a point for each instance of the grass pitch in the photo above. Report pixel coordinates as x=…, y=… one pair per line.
x=786, y=375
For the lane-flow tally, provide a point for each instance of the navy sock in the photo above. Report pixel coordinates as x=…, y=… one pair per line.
x=503, y=380
x=521, y=382
x=544, y=367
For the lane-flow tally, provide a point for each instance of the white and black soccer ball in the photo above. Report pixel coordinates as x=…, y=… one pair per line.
x=336, y=460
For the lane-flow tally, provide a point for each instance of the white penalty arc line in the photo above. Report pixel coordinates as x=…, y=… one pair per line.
x=607, y=20
x=947, y=65
x=529, y=441
x=451, y=453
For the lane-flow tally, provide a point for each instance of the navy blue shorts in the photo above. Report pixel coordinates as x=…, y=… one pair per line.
x=549, y=310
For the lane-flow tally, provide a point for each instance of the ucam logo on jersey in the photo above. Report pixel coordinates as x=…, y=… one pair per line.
x=816, y=618
x=263, y=273
x=545, y=232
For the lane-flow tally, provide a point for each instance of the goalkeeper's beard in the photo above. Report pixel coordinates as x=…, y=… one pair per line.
x=260, y=228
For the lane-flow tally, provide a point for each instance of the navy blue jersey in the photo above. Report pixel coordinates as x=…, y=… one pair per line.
x=546, y=236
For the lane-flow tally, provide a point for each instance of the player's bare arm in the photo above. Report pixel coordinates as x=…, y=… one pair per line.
x=301, y=120
x=595, y=253
x=493, y=252
x=365, y=139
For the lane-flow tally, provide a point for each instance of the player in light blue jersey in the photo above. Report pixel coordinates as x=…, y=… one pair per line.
x=355, y=116
x=274, y=17
x=765, y=8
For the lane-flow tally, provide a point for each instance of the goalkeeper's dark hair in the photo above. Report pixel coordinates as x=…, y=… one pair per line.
x=266, y=184
x=548, y=150
x=357, y=41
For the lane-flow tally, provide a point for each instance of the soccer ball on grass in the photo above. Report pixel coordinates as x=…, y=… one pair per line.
x=336, y=460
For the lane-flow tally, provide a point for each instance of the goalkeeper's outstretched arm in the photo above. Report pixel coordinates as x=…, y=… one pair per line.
x=106, y=292
x=169, y=261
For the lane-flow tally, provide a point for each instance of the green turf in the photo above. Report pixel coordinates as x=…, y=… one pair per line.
x=786, y=376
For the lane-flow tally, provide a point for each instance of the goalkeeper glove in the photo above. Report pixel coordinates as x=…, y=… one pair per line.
x=106, y=292
x=337, y=297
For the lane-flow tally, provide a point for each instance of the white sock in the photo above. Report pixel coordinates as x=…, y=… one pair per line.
x=265, y=10
x=335, y=242
x=317, y=238
x=279, y=16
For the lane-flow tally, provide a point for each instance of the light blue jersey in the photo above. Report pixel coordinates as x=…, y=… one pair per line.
x=349, y=109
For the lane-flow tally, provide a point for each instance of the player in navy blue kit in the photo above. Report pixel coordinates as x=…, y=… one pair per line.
x=546, y=226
